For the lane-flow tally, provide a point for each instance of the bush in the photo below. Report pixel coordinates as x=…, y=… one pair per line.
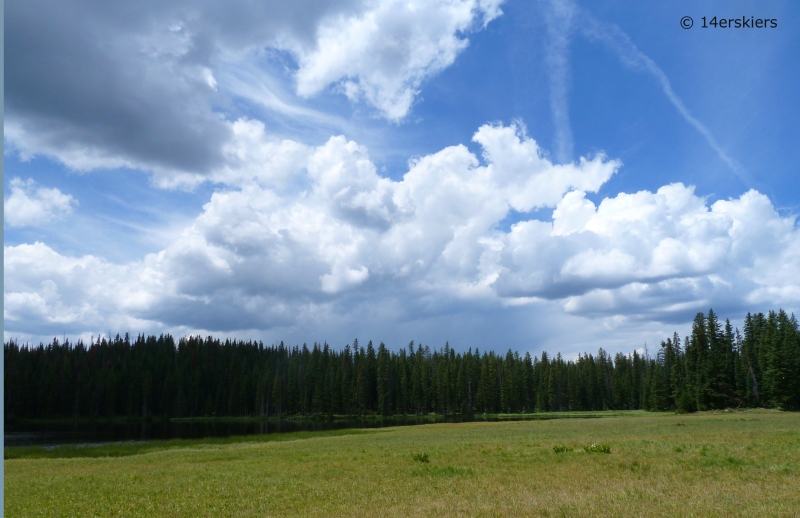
x=421, y=457
x=562, y=449
x=597, y=448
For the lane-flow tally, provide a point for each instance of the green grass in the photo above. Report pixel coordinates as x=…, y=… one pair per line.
x=725, y=464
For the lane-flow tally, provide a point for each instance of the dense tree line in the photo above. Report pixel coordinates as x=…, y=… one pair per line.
x=714, y=367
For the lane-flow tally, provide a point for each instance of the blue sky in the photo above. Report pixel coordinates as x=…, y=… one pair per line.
x=464, y=171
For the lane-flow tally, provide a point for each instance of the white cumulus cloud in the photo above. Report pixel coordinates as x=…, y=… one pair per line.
x=52, y=293
x=31, y=205
x=660, y=255
x=383, y=54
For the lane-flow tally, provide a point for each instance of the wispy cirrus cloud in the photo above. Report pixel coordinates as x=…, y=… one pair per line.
x=559, y=17
x=565, y=19
x=629, y=54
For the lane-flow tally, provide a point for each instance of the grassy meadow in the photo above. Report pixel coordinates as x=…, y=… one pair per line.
x=742, y=463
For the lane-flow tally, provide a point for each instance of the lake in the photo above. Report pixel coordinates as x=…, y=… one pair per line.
x=51, y=433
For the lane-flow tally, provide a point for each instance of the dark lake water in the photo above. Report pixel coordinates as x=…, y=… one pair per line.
x=83, y=432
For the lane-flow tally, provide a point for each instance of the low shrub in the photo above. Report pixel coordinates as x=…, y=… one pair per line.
x=562, y=449
x=597, y=448
x=421, y=457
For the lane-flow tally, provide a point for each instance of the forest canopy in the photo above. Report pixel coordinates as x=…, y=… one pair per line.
x=714, y=367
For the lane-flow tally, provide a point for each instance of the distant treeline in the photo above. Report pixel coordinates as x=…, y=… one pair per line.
x=717, y=367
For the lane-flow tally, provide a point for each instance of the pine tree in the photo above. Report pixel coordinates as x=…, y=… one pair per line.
x=697, y=364
x=383, y=373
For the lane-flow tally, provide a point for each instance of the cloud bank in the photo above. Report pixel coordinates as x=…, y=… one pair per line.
x=327, y=239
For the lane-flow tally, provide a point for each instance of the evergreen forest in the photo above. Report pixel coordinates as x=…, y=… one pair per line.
x=714, y=367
